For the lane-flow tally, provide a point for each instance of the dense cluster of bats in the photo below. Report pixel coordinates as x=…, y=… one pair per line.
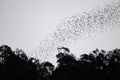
x=78, y=26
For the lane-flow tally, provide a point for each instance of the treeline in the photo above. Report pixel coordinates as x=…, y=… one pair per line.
x=97, y=65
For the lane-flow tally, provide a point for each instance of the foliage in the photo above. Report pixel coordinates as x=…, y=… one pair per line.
x=97, y=65
x=15, y=65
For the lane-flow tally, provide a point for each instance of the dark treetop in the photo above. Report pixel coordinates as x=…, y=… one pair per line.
x=97, y=65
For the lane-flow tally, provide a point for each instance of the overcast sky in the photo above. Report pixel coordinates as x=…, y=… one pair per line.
x=24, y=23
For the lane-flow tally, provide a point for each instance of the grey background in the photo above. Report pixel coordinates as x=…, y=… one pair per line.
x=24, y=23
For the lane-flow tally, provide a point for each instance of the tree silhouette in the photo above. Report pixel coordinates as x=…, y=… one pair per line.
x=15, y=65
x=97, y=65
x=66, y=66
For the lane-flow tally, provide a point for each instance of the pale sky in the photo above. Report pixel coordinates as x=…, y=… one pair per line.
x=24, y=23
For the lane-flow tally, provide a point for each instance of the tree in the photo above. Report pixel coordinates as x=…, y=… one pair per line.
x=15, y=65
x=66, y=63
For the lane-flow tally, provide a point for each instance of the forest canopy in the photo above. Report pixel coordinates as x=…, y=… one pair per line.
x=96, y=65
